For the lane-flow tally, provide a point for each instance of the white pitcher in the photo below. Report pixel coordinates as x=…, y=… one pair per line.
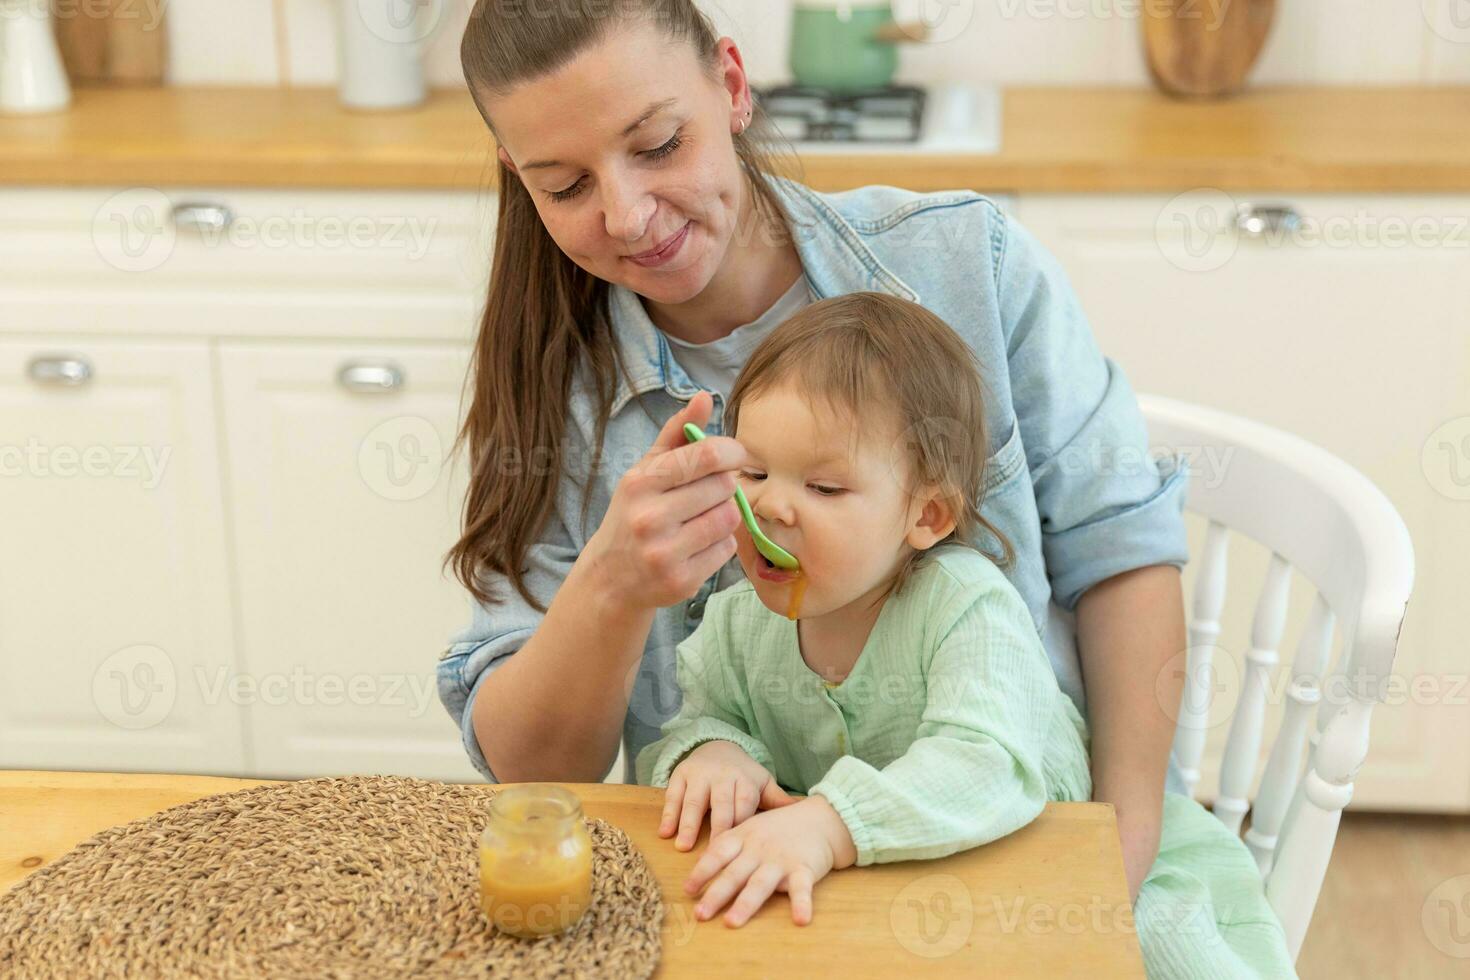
x=380, y=55
x=32, y=75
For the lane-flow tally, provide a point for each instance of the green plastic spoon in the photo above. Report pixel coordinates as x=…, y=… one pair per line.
x=778, y=555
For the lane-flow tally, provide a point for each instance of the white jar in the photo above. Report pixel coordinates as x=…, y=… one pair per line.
x=380, y=54
x=32, y=76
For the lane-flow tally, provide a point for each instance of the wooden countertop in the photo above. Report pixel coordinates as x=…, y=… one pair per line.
x=1049, y=900
x=1056, y=140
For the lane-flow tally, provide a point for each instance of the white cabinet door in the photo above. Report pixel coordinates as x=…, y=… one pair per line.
x=1354, y=332
x=343, y=505
x=114, y=598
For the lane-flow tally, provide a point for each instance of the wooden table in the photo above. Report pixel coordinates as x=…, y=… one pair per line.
x=1049, y=900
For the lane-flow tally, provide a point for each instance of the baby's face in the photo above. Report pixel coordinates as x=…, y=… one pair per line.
x=841, y=509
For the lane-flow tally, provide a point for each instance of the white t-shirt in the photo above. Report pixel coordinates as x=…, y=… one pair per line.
x=714, y=365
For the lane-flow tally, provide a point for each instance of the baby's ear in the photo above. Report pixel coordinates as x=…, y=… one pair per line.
x=935, y=520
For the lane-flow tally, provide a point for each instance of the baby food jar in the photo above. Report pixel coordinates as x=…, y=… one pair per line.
x=535, y=861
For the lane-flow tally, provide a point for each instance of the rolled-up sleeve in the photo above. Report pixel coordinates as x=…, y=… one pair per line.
x=497, y=632
x=1106, y=504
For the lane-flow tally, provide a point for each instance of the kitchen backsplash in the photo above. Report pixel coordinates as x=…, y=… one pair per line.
x=1015, y=42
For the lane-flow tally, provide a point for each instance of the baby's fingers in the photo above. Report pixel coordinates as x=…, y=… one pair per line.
x=691, y=814
x=799, y=889
x=756, y=891
x=722, y=806
x=718, y=854
x=727, y=884
x=673, y=799
x=747, y=800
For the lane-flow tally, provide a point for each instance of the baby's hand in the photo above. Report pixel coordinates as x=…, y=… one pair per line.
x=789, y=850
x=720, y=777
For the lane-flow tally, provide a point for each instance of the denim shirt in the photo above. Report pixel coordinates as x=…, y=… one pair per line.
x=1070, y=481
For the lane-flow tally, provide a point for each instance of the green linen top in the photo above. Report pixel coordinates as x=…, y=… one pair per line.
x=949, y=731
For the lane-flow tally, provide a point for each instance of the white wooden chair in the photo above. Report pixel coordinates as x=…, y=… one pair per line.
x=1325, y=519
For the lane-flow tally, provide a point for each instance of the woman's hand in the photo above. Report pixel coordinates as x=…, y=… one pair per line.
x=789, y=850
x=670, y=523
x=721, y=777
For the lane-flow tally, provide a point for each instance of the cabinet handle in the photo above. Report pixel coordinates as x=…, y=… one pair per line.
x=1264, y=220
x=63, y=370
x=202, y=217
x=357, y=376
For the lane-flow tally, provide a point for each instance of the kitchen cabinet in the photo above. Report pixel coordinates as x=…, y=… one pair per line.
x=270, y=602
x=343, y=501
x=114, y=577
x=1342, y=318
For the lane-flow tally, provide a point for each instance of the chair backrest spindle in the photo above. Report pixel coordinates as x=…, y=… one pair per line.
x=1200, y=669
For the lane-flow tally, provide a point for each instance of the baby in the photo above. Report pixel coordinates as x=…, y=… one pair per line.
x=897, y=679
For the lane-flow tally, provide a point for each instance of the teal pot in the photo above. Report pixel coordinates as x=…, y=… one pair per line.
x=836, y=45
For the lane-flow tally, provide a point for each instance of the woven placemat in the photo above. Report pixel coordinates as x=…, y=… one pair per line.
x=353, y=877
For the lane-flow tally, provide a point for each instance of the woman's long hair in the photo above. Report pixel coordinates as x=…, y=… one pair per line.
x=545, y=315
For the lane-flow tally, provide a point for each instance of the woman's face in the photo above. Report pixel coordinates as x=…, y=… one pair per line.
x=628, y=148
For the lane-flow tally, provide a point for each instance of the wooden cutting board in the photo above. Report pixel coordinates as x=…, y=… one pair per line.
x=112, y=42
x=1204, y=48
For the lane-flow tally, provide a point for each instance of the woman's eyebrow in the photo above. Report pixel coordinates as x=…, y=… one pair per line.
x=649, y=111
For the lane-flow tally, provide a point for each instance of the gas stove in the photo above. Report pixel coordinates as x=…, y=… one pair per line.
x=953, y=118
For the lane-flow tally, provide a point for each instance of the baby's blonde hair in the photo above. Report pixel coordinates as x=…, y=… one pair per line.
x=863, y=352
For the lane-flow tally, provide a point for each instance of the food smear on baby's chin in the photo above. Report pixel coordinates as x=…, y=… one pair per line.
x=798, y=589
x=796, y=578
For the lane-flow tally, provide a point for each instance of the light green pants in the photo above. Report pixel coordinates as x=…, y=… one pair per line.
x=1202, y=912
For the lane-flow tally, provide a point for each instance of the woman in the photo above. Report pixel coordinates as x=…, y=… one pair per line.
x=645, y=244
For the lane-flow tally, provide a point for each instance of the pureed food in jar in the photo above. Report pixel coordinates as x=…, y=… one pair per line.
x=535, y=861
